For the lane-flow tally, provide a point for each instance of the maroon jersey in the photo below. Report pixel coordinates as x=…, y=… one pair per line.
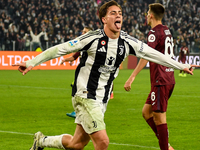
x=161, y=39
x=183, y=52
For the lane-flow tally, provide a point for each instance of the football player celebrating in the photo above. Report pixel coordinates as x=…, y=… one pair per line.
x=103, y=52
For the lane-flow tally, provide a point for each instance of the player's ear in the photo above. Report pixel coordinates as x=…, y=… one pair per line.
x=151, y=15
x=103, y=20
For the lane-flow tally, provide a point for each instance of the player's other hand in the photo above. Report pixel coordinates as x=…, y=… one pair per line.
x=62, y=62
x=191, y=69
x=127, y=85
x=22, y=67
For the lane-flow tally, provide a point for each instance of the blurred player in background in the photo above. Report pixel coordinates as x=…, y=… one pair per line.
x=182, y=57
x=103, y=52
x=162, y=78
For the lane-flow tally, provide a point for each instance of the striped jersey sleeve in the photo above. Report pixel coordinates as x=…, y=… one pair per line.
x=75, y=45
x=144, y=51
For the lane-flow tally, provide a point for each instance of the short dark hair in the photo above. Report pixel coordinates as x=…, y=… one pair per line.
x=158, y=10
x=103, y=9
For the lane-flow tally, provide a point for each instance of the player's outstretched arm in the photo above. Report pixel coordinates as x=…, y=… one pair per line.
x=22, y=67
x=142, y=63
x=152, y=55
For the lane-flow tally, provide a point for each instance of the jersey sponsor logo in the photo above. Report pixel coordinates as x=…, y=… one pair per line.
x=110, y=60
x=169, y=70
x=72, y=43
x=151, y=38
x=102, y=49
x=103, y=42
x=107, y=69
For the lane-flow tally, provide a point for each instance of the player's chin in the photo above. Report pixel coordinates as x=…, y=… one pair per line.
x=118, y=29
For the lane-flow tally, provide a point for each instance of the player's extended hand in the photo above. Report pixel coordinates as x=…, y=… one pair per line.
x=190, y=70
x=22, y=67
x=127, y=85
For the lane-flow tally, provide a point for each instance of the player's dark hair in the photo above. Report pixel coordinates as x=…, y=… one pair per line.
x=158, y=10
x=103, y=9
x=89, y=28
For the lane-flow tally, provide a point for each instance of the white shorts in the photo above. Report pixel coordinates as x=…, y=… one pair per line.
x=89, y=113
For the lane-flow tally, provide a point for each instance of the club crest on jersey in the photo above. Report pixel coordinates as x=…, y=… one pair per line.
x=103, y=42
x=151, y=38
x=72, y=43
x=121, y=47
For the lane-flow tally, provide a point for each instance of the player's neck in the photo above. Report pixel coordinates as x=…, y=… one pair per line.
x=155, y=23
x=111, y=34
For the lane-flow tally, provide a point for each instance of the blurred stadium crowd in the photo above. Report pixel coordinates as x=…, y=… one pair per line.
x=56, y=21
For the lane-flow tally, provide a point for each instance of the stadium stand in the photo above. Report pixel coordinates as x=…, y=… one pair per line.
x=62, y=20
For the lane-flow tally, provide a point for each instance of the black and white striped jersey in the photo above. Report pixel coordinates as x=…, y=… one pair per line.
x=100, y=61
x=99, y=64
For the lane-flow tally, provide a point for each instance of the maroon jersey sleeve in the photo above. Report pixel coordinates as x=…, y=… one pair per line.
x=161, y=39
x=76, y=55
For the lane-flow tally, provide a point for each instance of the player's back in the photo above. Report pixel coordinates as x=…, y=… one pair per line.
x=160, y=38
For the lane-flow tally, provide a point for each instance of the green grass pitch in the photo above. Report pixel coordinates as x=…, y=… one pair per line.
x=40, y=100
